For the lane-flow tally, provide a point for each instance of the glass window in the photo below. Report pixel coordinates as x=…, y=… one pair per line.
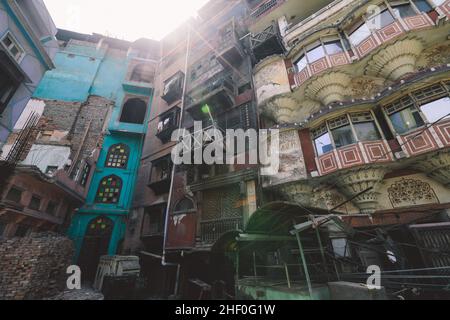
x=367, y=131
x=85, y=174
x=406, y=120
x=438, y=2
x=35, y=203
x=436, y=110
x=423, y=5
x=333, y=47
x=118, y=156
x=359, y=35
x=381, y=20
x=51, y=208
x=404, y=10
x=343, y=136
x=301, y=63
x=315, y=54
x=323, y=144
x=109, y=190
x=365, y=127
x=14, y=195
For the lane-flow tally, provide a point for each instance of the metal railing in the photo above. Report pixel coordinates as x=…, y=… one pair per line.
x=212, y=230
x=265, y=8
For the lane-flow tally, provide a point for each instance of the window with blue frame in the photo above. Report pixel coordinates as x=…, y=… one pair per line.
x=118, y=156
x=109, y=190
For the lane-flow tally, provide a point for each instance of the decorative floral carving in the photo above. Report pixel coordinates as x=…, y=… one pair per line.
x=435, y=56
x=411, y=192
x=364, y=87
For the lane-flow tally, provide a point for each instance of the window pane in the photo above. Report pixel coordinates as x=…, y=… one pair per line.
x=315, y=54
x=7, y=42
x=437, y=109
x=406, y=120
x=343, y=136
x=382, y=20
x=359, y=35
x=367, y=131
x=323, y=144
x=301, y=63
x=404, y=10
x=423, y=5
x=333, y=47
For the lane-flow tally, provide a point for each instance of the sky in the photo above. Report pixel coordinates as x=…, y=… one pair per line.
x=128, y=20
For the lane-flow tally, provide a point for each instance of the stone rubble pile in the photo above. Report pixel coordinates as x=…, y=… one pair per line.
x=34, y=267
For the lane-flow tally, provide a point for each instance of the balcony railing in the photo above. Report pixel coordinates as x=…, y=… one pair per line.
x=267, y=42
x=265, y=8
x=212, y=230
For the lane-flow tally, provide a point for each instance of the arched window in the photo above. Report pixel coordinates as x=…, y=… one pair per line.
x=118, y=156
x=184, y=206
x=134, y=111
x=143, y=73
x=109, y=190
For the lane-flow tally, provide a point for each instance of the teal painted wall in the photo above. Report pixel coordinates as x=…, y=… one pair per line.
x=83, y=70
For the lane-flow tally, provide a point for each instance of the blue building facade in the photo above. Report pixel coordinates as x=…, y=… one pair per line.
x=123, y=74
x=27, y=46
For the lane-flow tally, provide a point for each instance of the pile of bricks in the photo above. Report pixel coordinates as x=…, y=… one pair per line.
x=34, y=267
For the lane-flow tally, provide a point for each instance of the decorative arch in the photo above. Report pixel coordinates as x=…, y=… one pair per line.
x=118, y=156
x=109, y=190
x=184, y=206
x=134, y=111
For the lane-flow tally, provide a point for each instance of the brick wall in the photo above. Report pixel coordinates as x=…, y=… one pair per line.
x=34, y=267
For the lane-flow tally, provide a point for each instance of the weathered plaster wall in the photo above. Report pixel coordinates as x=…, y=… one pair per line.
x=32, y=65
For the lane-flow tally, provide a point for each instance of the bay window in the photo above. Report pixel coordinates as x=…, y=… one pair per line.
x=318, y=50
x=345, y=130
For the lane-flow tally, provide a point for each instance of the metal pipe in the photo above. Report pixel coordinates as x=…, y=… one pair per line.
x=169, y=200
x=305, y=267
x=286, y=269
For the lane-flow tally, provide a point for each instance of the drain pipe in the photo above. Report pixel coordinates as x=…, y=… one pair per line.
x=164, y=262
